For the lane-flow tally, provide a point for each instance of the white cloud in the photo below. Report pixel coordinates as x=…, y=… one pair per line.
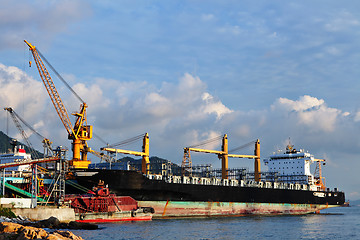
x=21, y=92
x=310, y=111
x=213, y=106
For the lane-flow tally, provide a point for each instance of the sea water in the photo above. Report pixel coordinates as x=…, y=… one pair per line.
x=334, y=223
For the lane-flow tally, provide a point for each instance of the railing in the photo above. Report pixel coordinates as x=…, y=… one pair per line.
x=229, y=182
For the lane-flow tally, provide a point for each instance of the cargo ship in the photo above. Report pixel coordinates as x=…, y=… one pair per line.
x=292, y=189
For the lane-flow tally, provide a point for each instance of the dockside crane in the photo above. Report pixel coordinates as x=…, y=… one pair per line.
x=80, y=133
x=145, y=163
x=15, y=119
x=48, y=151
x=224, y=156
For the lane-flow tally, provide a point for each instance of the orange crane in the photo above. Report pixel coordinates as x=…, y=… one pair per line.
x=319, y=179
x=145, y=163
x=80, y=132
x=223, y=155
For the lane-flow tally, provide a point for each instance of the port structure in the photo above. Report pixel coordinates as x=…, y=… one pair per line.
x=48, y=151
x=224, y=155
x=80, y=133
x=145, y=163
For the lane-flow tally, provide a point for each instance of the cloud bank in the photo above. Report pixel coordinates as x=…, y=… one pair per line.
x=183, y=113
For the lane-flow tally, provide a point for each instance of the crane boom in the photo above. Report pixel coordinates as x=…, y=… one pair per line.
x=80, y=132
x=51, y=89
x=15, y=117
x=46, y=142
x=145, y=162
x=223, y=155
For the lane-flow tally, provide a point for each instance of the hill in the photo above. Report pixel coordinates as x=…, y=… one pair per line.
x=5, y=146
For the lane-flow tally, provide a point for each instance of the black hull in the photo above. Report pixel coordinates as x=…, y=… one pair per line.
x=138, y=186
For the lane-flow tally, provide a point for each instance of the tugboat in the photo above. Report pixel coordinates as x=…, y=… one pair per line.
x=101, y=206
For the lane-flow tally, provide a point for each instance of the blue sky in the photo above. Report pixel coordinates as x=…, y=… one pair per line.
x=186, y=71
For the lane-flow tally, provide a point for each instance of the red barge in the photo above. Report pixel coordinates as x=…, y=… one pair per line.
x=101, y=206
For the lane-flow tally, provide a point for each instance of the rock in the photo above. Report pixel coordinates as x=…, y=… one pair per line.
x=67, y=235
x=23, y=232
x=80, y=225
x=51, y=222
x=10, y=230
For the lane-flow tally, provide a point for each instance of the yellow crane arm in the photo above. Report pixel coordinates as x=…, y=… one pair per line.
x=242, y=156
x=51, y=89
x=100, y=155
x=204, y=150
x=114, y=150
x=220, y=153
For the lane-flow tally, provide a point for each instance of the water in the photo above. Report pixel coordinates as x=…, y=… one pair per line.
x=335, y=223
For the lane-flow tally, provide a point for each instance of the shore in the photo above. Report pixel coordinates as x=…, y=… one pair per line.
x=21, y=228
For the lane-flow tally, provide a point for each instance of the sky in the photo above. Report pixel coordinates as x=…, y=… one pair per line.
x=189, y=71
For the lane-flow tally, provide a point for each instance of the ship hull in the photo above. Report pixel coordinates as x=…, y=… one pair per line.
x=100, y=217
x=184, y=209
x=199, y=200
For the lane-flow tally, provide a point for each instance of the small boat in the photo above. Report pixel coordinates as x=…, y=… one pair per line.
x=101, y=206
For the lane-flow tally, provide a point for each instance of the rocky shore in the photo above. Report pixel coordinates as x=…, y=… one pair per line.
x=20, y=228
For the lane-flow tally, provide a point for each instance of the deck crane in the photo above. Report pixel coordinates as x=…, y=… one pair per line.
x=100, y=155
x=319, y=179
x=80, y=132
x=15, y=118
x=145, y=163
x=223, y=155
x=48, y=151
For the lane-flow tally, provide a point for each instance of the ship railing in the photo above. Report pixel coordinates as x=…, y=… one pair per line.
x=177, y=179
x=234, y=183
x=225, y=182
x=215, y=181
x=185, y=180
x=195, y=180
x=242, y=183
x=205, y=181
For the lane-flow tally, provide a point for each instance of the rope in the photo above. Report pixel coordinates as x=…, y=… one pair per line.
x=207, y=142
x=98, y=137
x=127, y=141
x=60, y=77
x=242, y=146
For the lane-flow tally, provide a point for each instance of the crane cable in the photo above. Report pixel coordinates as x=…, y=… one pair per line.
x=207, y=142
x=59, y=76
x=242, y=146
x=127, y=141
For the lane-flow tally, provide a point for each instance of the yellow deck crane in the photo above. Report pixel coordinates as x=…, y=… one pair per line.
x=145, y=163
x=319, y=179
x=223, y=155
x=80, y=132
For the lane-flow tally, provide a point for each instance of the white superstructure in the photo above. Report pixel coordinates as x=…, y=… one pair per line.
x=293, y=166
x=18, y=155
